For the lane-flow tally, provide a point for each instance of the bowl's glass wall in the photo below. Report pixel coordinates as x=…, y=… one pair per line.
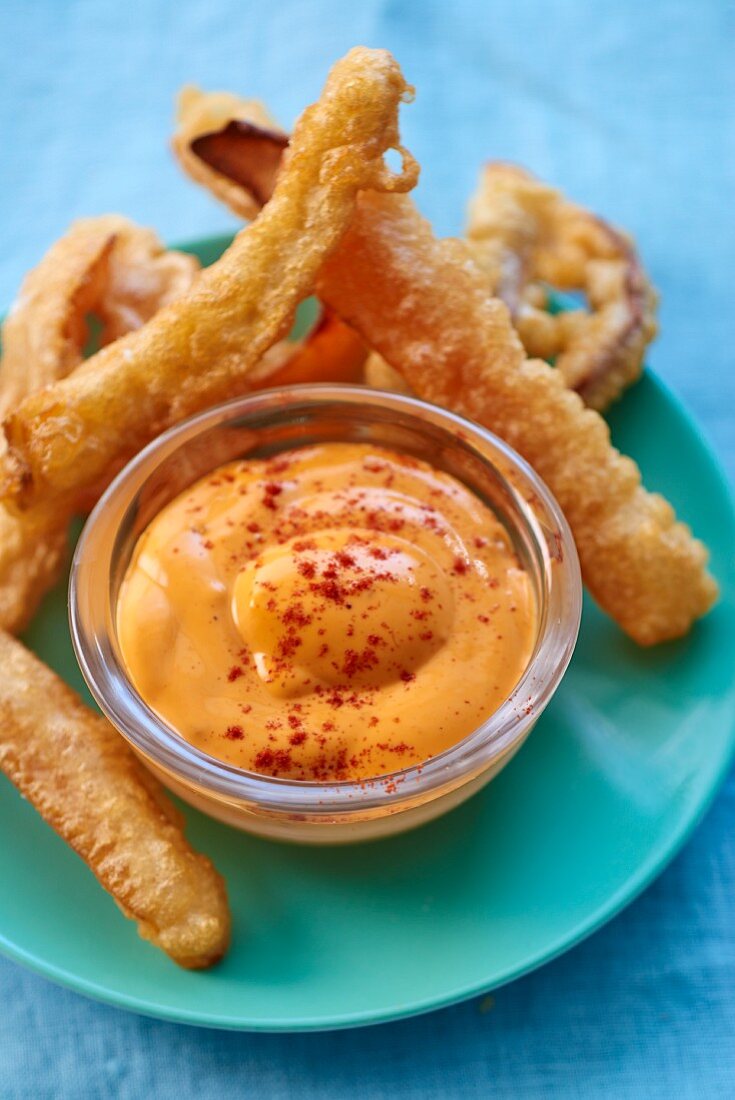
x=264, y=424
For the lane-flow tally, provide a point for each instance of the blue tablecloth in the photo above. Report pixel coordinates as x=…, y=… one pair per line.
x=630, y=107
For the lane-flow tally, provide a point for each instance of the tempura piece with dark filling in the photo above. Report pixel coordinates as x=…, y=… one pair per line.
x=423, y=305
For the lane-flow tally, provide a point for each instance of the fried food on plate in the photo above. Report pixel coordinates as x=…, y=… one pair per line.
x=430, y=316
x=234, y=148
x=528, y=239
x=331, y=352
x=524, y=234
x=381, y=376
x=105, y=267
x=192, y=353
x=201, y=114
x=423, y=304
x=90, y=787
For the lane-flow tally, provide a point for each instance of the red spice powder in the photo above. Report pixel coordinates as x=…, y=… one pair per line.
x=356, y=662
x=234, y=733
x=294, y=615
x=273, y=760
x=271, y=490
x=288, y=645
x=401, y=748
x=235, y=673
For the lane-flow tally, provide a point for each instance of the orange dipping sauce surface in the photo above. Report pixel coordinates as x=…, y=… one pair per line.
x=337, y=612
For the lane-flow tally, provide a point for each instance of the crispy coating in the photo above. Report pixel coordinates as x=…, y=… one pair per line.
x=142, y=277
x=527, y=237
x=380, y=375
x=33, y=552
x=195, y=351
x=216, y=115
x=106, y=267
x=89, y=786
x=430, y=316
x=234, y=148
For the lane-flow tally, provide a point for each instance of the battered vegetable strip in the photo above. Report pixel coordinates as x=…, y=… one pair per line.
x=192, y=353
x=528, y=238
x=234, y=148
x=430, y=316
x=332, y=352
x=89, y=786
x=119, y=273
x=216, y=117
x=423, y=304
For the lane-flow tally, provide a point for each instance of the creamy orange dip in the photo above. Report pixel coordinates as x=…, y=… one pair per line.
x=335, y=612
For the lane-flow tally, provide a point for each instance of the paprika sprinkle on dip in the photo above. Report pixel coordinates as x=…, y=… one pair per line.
x=338, y=612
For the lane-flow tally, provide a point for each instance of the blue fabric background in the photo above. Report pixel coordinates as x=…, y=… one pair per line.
x=630, y=107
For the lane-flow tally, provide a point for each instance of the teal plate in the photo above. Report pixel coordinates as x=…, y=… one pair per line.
x=613, y=779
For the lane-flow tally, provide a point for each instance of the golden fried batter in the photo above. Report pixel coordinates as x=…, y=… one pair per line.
x=527, y=237
x=201, y=114
x=121, y=274
x=423, y=304
x=381, y=376
x=191, y=354
x=89, y=786
x=430, y=316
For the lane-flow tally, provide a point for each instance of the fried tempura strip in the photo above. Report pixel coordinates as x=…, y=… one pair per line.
x=45, y=330
x=428, y=312
x=234, y=148
x=120, y=273
x=192, y=354
x=527, y=236
x=430, y=316
x=89, y=786
x=199, y=114
x=518, y=228
x=106, y=266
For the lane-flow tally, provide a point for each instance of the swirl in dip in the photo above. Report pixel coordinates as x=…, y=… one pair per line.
x=338, y=612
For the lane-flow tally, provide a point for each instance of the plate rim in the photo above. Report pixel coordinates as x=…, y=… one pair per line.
x=640, y=878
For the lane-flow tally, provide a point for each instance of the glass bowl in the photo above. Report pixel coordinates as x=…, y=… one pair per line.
x=263, y=424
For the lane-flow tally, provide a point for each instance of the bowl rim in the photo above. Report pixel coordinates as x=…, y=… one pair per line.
x=103, y=668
